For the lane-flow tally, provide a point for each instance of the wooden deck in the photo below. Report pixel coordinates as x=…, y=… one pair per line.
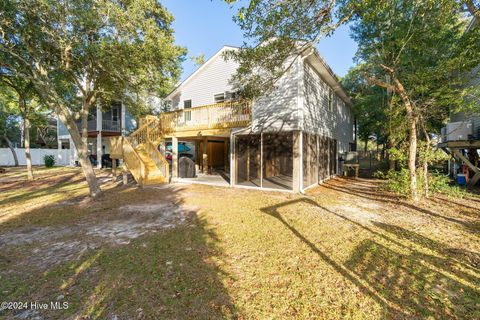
x=214, y=119
x=462, y=144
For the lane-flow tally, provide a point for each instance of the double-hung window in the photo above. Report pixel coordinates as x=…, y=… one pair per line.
x=330, y=99
x=187, y=104
x=219, y=97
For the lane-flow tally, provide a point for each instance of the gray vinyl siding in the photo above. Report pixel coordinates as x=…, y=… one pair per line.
x=463, y=116
x=279, y=110
x=299, y=101
x=214, y=78
x=62, y=130
x=337, y=123
x=130, y=122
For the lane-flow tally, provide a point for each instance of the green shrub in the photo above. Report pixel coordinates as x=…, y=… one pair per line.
x=399, y=182
x=439, y=183
x=49, y=160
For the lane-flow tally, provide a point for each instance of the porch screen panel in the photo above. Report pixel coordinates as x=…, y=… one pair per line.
x=332, y=156
x=247, y=160
x=310, y=162
x=323, y=164
x=278, y=160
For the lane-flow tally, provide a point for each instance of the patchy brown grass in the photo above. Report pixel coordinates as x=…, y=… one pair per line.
x=344, y=250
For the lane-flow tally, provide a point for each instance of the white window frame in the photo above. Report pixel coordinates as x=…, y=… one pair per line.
x=218, y=94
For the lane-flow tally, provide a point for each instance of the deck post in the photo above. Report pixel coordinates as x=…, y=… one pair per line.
x=197, y=156
x=99, y=137
x=174, y=157
x=248, y=161
x=114, y=170
x=99, y=150
x=205, y=155
x=226, y=161
x=261, y=160
x=233, y=167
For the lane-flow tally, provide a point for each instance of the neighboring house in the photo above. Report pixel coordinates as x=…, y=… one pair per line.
x=102, y=125
x=461, y=136
x=290, y=139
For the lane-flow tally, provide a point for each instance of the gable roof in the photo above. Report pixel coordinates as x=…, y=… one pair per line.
x=313, y=57
x=202, y=67
x=310, y=53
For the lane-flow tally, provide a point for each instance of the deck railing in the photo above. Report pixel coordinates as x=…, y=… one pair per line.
x=229, y=114
x=107, y=125
x=111, y=125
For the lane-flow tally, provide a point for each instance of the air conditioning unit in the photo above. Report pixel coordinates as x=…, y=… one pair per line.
x=462, y=130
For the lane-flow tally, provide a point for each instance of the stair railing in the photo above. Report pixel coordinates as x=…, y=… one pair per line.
x=158, y=158
x=133, y=162
x=149, y=134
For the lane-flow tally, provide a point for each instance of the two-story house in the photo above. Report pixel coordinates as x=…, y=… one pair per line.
x=461, y=136
x=102, y=125
x=290, y=139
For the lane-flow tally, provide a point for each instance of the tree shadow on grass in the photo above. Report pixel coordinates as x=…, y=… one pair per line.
x=364, y=192
x=407, y=285
x=345, y=272
x=170, y=273
x=417, y=282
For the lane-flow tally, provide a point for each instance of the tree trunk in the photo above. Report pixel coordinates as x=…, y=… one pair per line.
x=412, y=139
x=425, y=179
x=53, y=99
x=26, y=137
x=84, y=126
x=426, y=189
x=472, y=9
x=81, y=147
x=391, y=162
x=12, y=149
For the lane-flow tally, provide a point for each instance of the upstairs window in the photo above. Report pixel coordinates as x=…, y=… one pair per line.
x=219, y=97
x=330, y=99
x=116, y=110
x=187, y=104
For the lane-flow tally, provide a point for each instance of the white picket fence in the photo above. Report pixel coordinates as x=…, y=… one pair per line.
x=62, y=157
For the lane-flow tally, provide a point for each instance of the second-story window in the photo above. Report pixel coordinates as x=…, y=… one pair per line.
x=330, y=99
x=219, y=97
x=115, y=113
x=187, y=104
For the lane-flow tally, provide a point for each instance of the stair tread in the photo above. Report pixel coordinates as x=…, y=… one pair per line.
x=152, y=175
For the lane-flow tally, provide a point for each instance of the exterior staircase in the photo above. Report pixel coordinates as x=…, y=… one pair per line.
x=140, y=154
x=139, y=150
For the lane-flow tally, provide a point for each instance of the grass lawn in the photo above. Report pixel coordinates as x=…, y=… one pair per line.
x=344, y=250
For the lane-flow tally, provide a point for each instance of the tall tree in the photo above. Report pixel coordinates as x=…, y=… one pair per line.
x=415, y=49
x=28, y=107
x=418, y=46
x=82, y=53
x=272, y=30
x=9, y=119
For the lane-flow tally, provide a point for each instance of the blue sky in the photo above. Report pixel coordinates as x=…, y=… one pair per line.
x=204, y=26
